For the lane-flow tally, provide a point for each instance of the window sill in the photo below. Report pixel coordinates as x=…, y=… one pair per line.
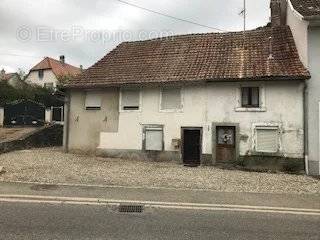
x=243, y=109
x=130, y=111
x=171, y=110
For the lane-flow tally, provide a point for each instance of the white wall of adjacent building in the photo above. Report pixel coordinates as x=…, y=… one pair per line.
x=299, y=29
x=313, y=99
x=282, y=105
x=307, y=38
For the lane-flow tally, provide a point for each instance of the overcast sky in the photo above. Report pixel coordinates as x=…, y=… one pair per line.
x=85, y=30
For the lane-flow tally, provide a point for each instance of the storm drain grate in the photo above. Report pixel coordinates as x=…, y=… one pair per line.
x=131, y=208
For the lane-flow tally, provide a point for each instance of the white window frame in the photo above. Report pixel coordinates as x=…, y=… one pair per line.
x=179, y=110
x=271, y=126
x=152, y=127
x=92, y=108
x=140, y=100
x=262, y=98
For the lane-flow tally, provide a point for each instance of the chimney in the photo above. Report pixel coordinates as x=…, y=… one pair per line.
x=81, y=68
x=278, y=12
x=62, y=59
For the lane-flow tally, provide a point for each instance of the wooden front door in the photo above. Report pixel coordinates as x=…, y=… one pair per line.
x=191, y=146
x=225, y=144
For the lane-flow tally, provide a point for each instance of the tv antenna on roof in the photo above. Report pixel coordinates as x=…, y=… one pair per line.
x=244, y=14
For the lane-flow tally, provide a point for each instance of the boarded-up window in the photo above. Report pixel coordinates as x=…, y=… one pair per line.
x=93, y=101
x=250, y=97
x=153, y=139
x=171, y=99
x=130, y=99
x=267, y=139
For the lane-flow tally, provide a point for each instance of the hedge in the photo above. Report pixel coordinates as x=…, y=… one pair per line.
x=29, y=92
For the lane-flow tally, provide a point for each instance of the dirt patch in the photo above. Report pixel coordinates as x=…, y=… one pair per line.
x=10, y=134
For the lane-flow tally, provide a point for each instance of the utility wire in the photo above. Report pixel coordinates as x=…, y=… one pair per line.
x=17, y=55
x=169, y=16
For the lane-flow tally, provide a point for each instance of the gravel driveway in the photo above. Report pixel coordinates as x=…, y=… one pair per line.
x=54, y=166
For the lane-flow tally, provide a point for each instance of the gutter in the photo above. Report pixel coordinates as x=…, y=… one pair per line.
x=160, y=83
x=305, y=128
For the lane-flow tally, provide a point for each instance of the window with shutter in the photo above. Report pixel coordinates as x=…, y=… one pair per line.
x=171, y=99
x=267, y=139
x=93, y=101
x=153, y=138
x=130, y=99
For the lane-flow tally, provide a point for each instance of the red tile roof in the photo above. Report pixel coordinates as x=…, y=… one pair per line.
x=7, y=76
x=307, y=8
x=198, y=57
x=58, y=68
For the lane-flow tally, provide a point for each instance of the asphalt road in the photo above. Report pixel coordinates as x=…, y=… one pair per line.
x=47, y=221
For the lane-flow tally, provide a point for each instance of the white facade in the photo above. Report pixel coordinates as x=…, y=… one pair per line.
x=48, y=78
x=202, y=105
x=299, y=30
x=307, y=38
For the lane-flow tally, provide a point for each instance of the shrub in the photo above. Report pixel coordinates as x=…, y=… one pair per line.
x=29, y=92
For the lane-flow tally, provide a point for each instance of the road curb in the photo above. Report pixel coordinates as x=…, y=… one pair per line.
x=131, y=187
x=149, y=187
x=154, y=204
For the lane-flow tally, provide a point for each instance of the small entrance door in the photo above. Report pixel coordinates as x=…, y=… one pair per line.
x=191, y=146
x=225, y=140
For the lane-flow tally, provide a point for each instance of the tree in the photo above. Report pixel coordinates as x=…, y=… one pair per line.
x=28, y=92
x=22, y=74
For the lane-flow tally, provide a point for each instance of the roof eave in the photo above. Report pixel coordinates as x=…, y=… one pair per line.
x=267, y=78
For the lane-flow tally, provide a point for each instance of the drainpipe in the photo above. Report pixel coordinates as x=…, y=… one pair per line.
x=66, y=122
x=65, y=97
x=305, y=128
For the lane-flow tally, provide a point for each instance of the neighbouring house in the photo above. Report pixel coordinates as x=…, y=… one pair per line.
x=13, y=79
x=196, y=99
x=48, y=72
x=303, y=17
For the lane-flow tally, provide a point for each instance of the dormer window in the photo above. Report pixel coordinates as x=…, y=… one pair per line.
x=40, y=74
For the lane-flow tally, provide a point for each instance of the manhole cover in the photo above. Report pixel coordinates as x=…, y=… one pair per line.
x=131, y=208
x=44, y=187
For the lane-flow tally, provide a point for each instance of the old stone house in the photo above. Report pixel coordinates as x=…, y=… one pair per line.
x=197, y=99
